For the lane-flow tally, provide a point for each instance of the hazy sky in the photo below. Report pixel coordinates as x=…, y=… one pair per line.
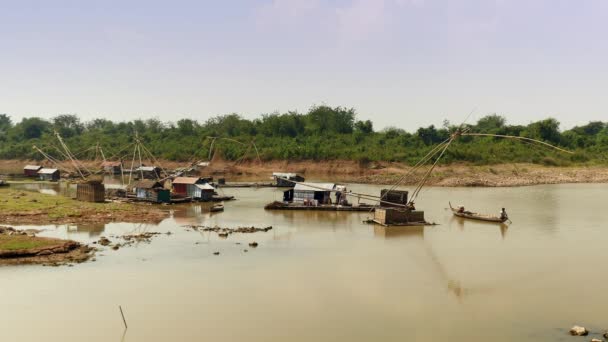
x=405, y=63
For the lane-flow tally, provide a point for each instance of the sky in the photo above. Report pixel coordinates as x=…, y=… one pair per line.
x=403, y=63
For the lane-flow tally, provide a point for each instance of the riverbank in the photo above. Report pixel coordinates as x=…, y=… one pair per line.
x=24, y=207
x=348, y=171
x=24, y=247
x=455, y=175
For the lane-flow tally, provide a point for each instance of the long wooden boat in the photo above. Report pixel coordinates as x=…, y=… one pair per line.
x=477, y=216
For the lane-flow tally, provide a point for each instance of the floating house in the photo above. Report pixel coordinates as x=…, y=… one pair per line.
x=286, y=179
x=203, y=192
x=91, y=192
x=151, y=191
x=48, y=175
x=148, y=172
x=31, y=170
x=187, y=186
x=319, y=193
x=112, y=167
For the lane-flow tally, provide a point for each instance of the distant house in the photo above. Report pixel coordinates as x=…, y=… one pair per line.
x=148, y=172
x=186, y=186
x=283, y=179
x=112, y=167
x=31, y=170
x=305, y=192
x=49, y=175
x=151, y=191
x=204, y=192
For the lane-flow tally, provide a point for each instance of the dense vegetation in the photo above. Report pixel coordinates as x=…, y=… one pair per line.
x=321, y=134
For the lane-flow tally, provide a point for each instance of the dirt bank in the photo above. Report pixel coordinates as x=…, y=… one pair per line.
x=451, y=175
x=24, y=247
x=22, y=207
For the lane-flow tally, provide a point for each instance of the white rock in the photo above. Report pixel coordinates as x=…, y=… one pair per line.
x=578, y=331
x=596, y=340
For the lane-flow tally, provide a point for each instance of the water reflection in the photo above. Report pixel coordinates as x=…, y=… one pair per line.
x=461, y=223
x=89, y=229
x=415, y=232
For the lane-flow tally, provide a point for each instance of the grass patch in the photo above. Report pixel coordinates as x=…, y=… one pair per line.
x=19, y=242
x=13, y=202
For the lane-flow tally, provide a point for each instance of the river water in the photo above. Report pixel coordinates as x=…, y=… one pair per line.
x=329, y=277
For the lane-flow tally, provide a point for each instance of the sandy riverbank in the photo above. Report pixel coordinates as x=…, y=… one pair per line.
x=451, y=175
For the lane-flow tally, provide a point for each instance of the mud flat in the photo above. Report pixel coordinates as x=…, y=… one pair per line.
x=23, y=207
x=24, y=247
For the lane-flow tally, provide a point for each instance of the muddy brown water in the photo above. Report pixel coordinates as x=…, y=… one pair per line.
x=328, y=277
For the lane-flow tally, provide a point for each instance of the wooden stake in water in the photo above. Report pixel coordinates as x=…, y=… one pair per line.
x=123, y=317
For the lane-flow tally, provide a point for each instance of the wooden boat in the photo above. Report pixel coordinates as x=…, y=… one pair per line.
x=477, y=216
x=216, y=208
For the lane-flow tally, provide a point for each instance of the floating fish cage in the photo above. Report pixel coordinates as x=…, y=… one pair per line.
x=395, y=216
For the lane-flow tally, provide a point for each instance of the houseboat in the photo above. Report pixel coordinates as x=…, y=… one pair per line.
x=151, y=191
x=31, y=170
x=317, y=196
x=51, y=175
x=187, y=186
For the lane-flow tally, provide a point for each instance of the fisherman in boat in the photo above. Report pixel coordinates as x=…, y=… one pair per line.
x=461, y=209
x=503, y=215
x=410, y=206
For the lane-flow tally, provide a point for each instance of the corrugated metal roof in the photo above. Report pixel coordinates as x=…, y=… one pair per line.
x=205, y=187
x=32, y=167
x=47, y=171
x=147, y=168
x=284, y=174
x=186, y=180
x=314, y=187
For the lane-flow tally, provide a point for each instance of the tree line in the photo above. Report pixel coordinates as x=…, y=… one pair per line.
x=322, y=133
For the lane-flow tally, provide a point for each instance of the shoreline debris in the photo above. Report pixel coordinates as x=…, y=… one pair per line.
x=578, y=331
x=225, y=232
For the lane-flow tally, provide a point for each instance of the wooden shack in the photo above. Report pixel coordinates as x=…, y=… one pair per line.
x=203, y=192
x=148, y=172
x=49, y=175
x=397, y=198
x=31, y=170
x=112, y=167
x=287, y=179
x=151, y=191
x=397, y=216
x=91, y=192
x=187, y=186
